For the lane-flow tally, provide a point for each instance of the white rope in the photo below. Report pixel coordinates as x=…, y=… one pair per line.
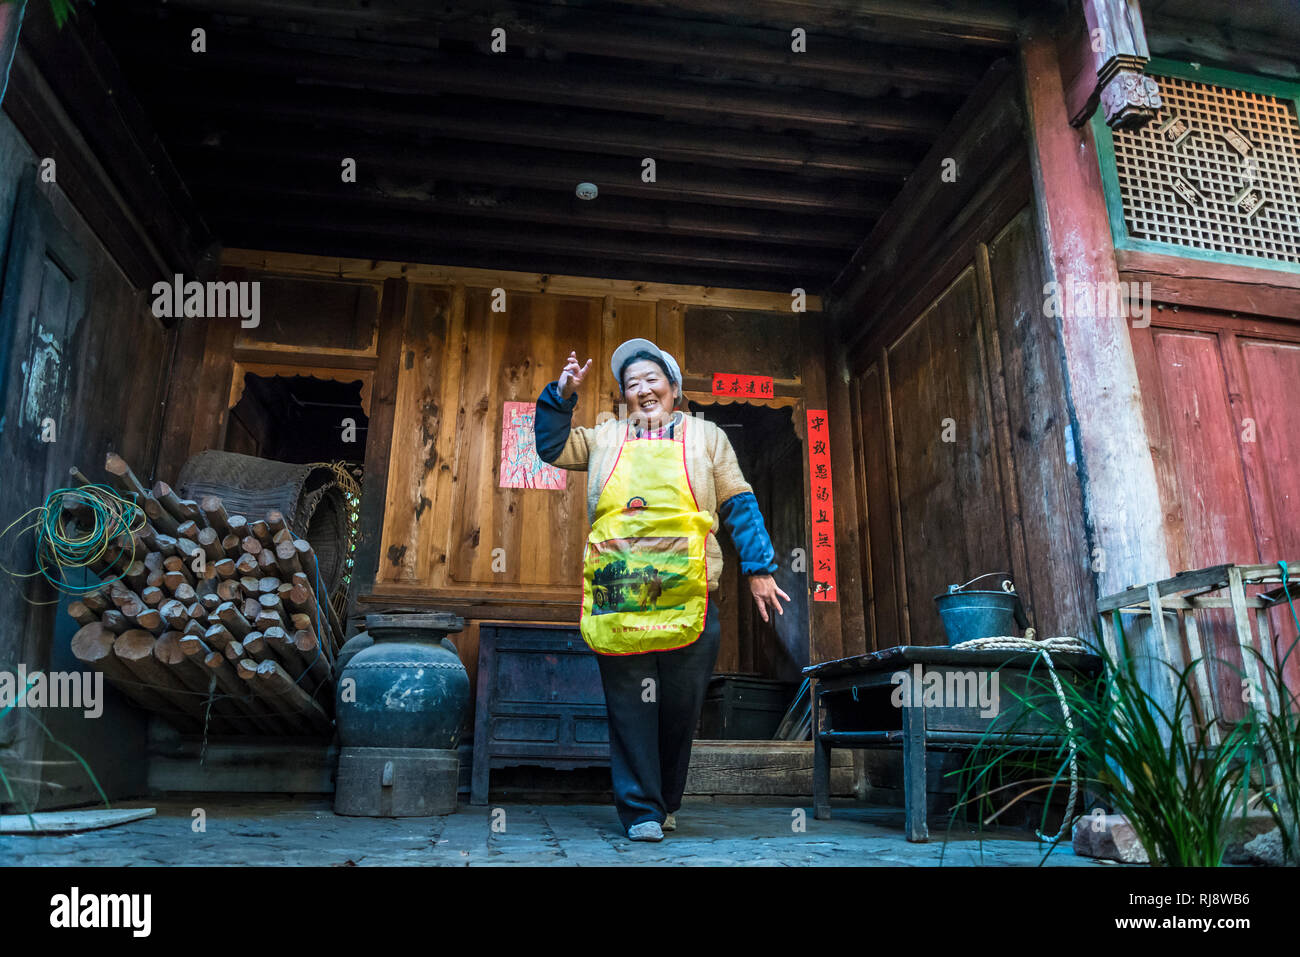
x=1063, y=644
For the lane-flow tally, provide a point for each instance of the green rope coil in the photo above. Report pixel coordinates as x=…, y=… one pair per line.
x=65, y=545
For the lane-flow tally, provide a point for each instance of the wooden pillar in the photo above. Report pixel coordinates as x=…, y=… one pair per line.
x=1125, y=524
x=379, y=440
x=853, y=627
x=825, y=618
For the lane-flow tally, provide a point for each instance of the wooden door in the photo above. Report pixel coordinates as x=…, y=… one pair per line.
x=43, y=300
x=1219, y=393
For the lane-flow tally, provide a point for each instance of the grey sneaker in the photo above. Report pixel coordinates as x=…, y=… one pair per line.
x=646, y=831
x=670, y=822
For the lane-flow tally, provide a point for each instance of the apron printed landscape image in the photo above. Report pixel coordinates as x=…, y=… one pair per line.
x=639, y=574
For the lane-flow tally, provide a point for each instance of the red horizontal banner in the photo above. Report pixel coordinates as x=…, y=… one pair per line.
x=823, y=507
x=758, y=386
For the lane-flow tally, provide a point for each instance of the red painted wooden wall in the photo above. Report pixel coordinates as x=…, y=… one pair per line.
x=1219, y=394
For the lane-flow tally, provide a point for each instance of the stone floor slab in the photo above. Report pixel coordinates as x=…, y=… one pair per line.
x=239, y=830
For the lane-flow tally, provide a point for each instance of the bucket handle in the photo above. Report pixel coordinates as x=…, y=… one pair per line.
x=1008, y=585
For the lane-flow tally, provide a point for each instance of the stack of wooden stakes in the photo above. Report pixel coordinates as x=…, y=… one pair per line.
x=210, y=609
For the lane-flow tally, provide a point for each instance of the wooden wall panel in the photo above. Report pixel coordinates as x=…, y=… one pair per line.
x=86, y=351
x=950, y=500
x=1056, y=581
x=1272, y=375
x=958, y=331
x=325, y=315
x=1201, y=481
x=1272, y=372
x=1201, y=470
x=419, y=454
x=729, y=340
x=880, y=592
x=515, y=354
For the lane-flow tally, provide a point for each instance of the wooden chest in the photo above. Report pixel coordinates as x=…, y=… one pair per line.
x=540, y=701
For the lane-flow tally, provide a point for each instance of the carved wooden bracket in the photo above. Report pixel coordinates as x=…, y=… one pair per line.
x=1128, y=97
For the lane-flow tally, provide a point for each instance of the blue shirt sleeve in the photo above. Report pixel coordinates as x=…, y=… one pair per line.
x=744, y=524
x=553, y=421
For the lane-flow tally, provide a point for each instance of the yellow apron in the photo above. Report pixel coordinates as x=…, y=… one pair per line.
x=644, y=574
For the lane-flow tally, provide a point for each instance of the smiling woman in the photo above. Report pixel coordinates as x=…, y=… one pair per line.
x=658, y=482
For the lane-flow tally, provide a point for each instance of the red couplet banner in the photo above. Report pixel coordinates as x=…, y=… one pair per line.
x=823, y=507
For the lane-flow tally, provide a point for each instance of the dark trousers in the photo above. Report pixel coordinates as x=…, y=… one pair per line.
x=650, y=740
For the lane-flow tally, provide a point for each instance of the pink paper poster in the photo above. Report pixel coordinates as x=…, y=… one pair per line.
x=520, y=465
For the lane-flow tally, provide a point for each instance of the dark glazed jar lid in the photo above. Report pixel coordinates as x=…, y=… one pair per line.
x=443, y=622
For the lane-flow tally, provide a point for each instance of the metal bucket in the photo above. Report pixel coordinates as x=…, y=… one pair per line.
x=968, y=615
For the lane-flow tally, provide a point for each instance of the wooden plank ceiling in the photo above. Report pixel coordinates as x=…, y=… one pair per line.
x=772, y=166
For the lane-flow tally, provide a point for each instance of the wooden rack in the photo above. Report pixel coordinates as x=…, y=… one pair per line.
x=1190, y=591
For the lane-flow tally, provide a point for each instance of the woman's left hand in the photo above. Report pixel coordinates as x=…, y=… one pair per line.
x=765, y=589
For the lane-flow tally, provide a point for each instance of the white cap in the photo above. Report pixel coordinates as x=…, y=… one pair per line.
x=633, y=346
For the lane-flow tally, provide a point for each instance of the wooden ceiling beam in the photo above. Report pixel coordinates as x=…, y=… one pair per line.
x=924, y=23
x=523, y=240
x=581, y=283
x=942, y=23
x=244, y=53
x=450, y=253
x=982, y=134
x=347, y=111
x=830, y=231
x=832, y=62
x=251, y=156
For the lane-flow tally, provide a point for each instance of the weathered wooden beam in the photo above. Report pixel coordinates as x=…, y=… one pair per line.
x=1118, y=43
x=352, y=112
x=922, y=22
x=322, y=243
x=575, y=241
x=1213, y=577
x=245, y=53
x=250, y=151
x=1266, y=47
x=827, y=231
x=1179, y=280
x=973, y=147
x=577, y=283
x=840, y=62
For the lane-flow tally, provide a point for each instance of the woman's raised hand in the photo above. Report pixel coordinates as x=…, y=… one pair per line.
x=572, y=375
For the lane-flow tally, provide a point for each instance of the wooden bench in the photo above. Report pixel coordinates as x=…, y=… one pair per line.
x=854, y=707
